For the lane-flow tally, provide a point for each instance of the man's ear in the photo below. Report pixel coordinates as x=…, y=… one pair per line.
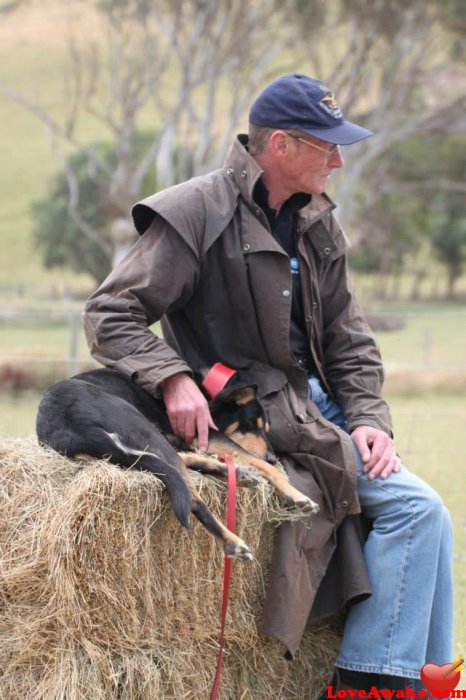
x=279, y=142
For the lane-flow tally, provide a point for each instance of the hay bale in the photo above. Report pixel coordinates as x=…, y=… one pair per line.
x=104, y=596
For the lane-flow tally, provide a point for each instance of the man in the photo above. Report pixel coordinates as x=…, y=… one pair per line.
x=247, y=266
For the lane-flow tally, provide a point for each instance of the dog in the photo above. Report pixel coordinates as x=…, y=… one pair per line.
x=104, y=414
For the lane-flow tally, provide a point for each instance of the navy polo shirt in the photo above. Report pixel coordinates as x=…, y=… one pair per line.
x=283, y=228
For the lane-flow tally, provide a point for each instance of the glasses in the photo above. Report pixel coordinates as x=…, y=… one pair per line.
x=328, y=151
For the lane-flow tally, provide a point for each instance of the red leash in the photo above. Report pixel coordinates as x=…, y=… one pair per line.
x=231, y=523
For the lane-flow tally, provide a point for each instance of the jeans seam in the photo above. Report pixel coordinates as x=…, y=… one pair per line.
x=397, y=606
x=368, y=668
x=402, y=585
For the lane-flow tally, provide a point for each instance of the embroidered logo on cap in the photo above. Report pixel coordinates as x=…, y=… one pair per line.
x=331, y=106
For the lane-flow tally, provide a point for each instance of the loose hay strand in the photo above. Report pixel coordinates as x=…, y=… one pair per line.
x=104, y=596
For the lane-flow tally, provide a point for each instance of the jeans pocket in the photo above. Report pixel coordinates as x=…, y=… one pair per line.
x=316, y=393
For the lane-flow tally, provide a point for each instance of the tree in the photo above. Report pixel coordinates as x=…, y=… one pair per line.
x=417, y=214
x=402, y=68
x=449, y=240
x=194, y=65
x=56, y=233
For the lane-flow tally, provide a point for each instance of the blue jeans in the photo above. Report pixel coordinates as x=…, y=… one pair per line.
x=408, y=620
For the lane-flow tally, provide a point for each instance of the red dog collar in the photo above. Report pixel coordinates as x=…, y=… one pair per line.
x=217, y=378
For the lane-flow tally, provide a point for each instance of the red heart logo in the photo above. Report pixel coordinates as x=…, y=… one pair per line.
x=439, y=680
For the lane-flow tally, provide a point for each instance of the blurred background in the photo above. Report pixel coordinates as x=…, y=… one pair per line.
x=105, y=101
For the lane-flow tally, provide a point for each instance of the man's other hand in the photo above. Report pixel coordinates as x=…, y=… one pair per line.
x=187, y=409
x=377, y=451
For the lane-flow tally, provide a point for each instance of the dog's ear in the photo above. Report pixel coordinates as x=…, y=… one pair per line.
x=243, y=395
x=239, y=393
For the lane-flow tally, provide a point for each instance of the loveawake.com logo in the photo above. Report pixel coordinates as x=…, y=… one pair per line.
x=439, y=682
x=387, y=694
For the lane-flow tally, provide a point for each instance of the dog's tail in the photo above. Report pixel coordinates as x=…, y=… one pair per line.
x=125, y=455
x=178, y=490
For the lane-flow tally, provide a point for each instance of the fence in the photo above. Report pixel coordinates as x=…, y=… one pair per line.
x=431, y=340
x=54, y=337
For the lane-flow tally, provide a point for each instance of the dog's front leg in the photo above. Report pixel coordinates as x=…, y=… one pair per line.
x=233, y=546
x=291, y=495
x=214, y=467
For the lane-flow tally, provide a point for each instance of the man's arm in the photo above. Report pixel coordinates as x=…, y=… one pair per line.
x=158, y=275
x=352, y=362
x=355, y=373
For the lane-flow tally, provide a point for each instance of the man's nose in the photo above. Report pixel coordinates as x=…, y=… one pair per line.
x=336, y=159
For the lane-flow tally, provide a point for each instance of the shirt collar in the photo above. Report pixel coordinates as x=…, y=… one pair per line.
x=289, y=207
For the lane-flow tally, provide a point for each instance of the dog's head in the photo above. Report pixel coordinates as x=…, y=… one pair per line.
x=240, y=416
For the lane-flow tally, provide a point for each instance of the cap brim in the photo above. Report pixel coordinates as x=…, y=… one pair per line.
x=341, y=134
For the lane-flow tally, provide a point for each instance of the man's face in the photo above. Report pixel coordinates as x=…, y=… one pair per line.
x=310, y=163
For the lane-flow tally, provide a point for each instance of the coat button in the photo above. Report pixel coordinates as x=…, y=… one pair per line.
x=257, y=211
x=243, y=173
x=230, y=171
x=246, y=248
x=327, y=251
x=286, y=293
x=345, y=504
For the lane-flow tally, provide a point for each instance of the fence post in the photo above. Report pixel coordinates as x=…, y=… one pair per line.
x=73, y=360
x=427, y=347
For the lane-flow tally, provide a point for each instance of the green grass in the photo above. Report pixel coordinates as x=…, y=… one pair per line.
x=428, y=338
x=18, y=414
x=38, y=338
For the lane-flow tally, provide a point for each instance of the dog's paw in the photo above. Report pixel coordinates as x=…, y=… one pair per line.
x=237, y=549
x=247, y=477
x=303, y=505
x=308, y=506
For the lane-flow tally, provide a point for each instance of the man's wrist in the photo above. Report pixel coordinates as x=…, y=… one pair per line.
x=171, y=381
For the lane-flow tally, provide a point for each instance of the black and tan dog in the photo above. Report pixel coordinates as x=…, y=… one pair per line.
x=103, y=414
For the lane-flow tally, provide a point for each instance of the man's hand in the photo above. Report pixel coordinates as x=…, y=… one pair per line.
x=187, y=409
x=377, y=451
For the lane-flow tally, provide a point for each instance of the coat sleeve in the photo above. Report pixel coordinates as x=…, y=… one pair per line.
x=157, y=276
x=353, y=364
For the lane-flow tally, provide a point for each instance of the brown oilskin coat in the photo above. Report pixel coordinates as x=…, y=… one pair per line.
x=208, y=266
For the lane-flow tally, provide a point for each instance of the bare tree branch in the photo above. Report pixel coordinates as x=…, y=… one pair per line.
x=195, y=65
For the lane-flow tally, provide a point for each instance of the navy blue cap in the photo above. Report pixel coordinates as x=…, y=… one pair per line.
x=298, y=102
